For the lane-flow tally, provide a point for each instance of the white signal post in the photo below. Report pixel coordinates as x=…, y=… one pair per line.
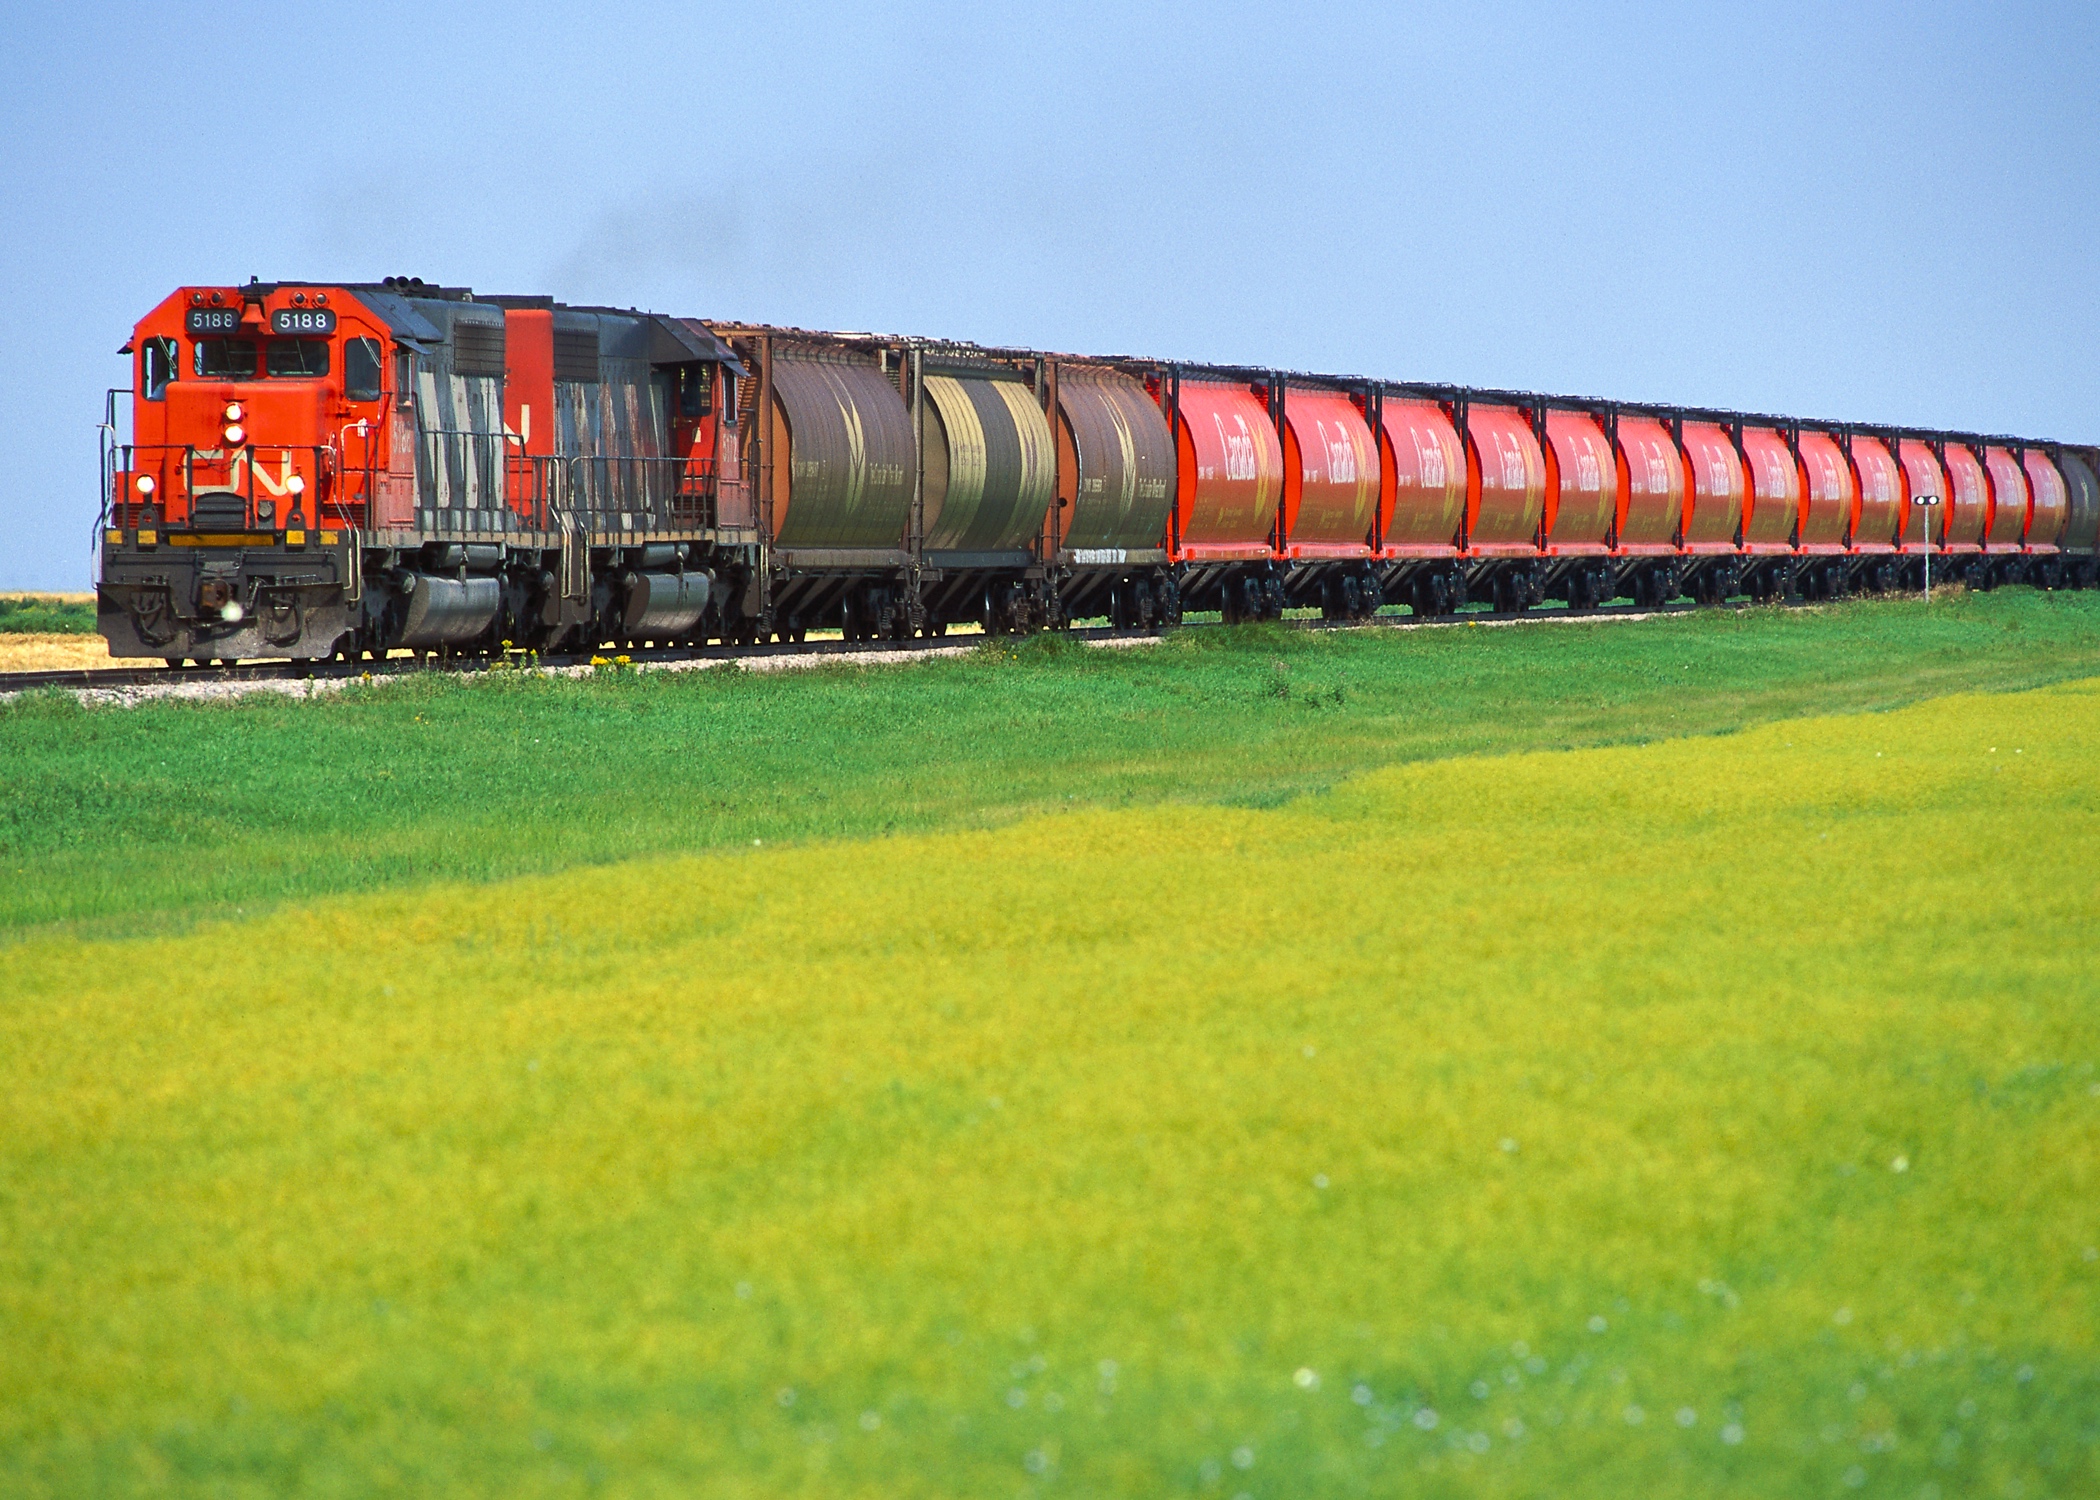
x=1928, y=501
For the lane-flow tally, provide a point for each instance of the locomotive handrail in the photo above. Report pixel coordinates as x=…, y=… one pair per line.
x=123, y=461
x=490, y=474
x=659, y=481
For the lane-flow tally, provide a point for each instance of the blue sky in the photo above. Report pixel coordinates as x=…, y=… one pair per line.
x=1883, y=213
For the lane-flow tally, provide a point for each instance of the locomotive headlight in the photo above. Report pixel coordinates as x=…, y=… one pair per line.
x=236, y=434
x=145, y=484
x=233, y=411
x=296, y=485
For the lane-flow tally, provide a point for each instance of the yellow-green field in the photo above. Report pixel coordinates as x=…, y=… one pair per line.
x=1709, y=1117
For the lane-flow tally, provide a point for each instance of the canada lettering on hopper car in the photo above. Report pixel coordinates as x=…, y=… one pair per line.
x=1514, y=474
x=1429, y=461
x=1341, y=455
x=1240, y=461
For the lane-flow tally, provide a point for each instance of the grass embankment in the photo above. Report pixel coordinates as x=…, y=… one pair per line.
x=151, y=814
x=47, y=614
x=1711, y=1118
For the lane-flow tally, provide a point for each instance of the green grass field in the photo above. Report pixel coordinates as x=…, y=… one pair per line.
x=113, y=820
x=46, y=614
x=1566, y=1062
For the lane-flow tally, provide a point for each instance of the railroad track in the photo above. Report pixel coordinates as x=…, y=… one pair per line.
x=321, y=671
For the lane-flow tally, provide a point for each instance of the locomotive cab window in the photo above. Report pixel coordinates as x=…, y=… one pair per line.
x=361, y=369
x=695, y=390
x=158, y=363
x=298, y=359
x=225, y=359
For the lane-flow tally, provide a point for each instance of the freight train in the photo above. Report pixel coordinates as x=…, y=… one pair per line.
x=327, y=470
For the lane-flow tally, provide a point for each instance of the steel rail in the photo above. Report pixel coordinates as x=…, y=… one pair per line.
x=78, y=678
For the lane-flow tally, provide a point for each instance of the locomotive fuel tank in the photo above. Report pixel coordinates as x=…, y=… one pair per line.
x=437, y=611
x=664, y=605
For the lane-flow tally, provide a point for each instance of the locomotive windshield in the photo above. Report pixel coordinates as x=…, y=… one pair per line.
x=299, y=359
x=235, y=359
x=225, y=359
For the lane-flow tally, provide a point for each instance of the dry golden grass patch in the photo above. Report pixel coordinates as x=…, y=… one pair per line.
x=53, y=653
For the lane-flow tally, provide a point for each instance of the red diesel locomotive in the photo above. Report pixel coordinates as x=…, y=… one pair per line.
x=322, y=470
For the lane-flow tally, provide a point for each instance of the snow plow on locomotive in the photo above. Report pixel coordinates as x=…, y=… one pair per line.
x=319, y=470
